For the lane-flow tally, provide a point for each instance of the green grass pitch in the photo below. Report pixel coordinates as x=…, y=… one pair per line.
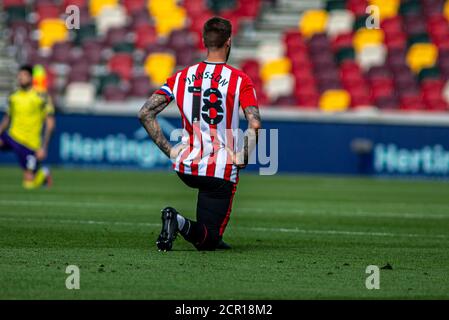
x=293, y=237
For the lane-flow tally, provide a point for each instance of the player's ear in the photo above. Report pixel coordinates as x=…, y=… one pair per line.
x=228, y=42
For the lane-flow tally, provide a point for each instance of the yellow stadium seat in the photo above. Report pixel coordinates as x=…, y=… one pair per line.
x=364, y=37
x=387, y=8
x=446, y=10
x=313, y=21
x=159, y=66
x=51, y=31
x=161, y=8
x=166, y=24
x=276, y=67
x=168, y=16
x=335, y=101
x=95, y=6
x=421, y=55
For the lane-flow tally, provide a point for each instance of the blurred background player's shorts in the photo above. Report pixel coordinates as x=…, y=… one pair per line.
x=25, y=156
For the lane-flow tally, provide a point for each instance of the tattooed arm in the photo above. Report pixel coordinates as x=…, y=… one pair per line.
x=254, y=124
x=147, y=116
x=253, y=117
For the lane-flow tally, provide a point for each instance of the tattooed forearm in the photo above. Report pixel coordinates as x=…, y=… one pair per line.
x=147, y=116
x=253, y=117
x=254, y=124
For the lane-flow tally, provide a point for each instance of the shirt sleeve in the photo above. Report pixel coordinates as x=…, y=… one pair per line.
x=167, y=89
x=248, y=96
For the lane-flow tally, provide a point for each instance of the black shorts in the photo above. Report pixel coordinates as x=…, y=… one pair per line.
x=214, y=204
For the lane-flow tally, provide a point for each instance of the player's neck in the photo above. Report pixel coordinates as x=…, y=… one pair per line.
x=216, y=57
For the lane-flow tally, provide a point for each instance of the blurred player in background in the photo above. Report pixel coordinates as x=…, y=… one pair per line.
x=208, y=95
x=21, y=129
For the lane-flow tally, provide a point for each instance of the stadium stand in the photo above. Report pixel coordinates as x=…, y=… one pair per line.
x=302, y=54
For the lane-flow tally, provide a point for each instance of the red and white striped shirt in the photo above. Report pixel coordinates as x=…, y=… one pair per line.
x=208, y=96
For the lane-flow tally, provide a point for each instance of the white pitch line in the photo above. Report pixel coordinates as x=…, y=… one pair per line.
x=353, y=233
x=258, y=229
x=357, y=213
x=52, y=203
x=92, y=222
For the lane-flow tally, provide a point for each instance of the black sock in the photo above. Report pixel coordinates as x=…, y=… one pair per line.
x=193, y=232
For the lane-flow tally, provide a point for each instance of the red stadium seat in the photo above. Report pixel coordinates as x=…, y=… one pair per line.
x=306, y=88
x=392, y=25
x=293, y=38
x=343, y=40
x=360, y=98
x=380, y=89
x=305, y=77
x=195, y=8
x=437, y=105
x=122, y=64
x=250, y=64
x=301, y=66
x=354, y=83
x=298, y=57
x=411, y=102
x=432, y=94
x=47, y=11
x=133, y=6
x=436, y=21
x=145, y=35
x=297, y=49
x=396, y=40
x=309, y=100
x=350, y=71
x=13, y=3
x=248, y=8
x=78, y=3
x=358, y=7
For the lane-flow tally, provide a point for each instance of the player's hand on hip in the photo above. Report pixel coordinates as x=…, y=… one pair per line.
x=41, y=154
x=176, y=150
x=238, y=159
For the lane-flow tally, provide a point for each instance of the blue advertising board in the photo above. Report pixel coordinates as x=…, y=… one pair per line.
x=303, y=146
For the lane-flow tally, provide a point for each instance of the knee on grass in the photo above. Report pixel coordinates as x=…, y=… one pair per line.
x=210, y=242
